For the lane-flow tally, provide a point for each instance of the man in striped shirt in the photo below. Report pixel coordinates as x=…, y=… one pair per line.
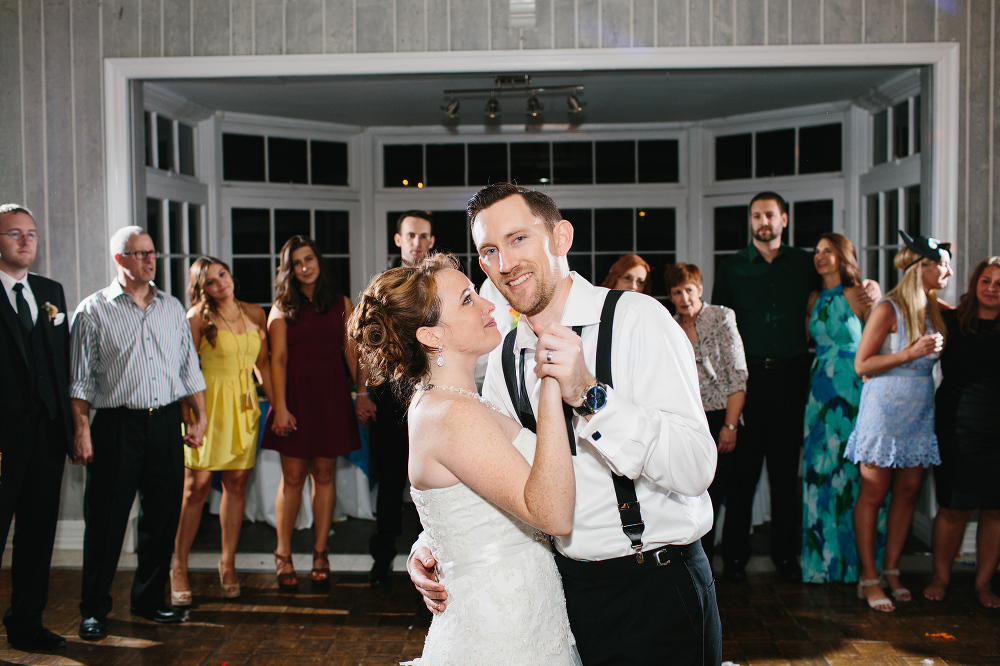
x=133, y=360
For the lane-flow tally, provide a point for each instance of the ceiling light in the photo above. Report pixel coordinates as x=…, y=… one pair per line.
x=535, y=108
x=451, y=109
x=492, y=107
x=574, y=104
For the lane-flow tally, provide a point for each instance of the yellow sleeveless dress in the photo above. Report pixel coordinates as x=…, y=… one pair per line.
x=231, y=438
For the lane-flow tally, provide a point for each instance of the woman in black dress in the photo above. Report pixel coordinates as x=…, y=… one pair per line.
x=967, y=422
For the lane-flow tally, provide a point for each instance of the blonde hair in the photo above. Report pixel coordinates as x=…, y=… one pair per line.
x=915, y=306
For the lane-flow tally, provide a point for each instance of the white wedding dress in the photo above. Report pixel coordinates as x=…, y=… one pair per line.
x=505, y=598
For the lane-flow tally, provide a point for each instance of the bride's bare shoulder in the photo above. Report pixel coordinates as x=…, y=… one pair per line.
x=442, y=418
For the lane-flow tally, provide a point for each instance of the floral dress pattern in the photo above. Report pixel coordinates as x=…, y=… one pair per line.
x=829, y=482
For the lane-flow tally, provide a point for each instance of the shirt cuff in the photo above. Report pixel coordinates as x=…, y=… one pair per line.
x=609, y=429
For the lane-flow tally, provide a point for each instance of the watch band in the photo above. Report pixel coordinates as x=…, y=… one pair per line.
x=730, y=426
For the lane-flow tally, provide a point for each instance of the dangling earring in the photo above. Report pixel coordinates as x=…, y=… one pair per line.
x=440, y=361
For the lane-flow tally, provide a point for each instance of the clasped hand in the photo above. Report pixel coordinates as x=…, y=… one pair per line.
x=559, y=355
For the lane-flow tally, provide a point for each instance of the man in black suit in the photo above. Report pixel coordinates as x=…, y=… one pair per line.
x=38, y=430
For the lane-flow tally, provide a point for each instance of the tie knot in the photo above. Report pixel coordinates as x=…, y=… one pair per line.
x=18, y=287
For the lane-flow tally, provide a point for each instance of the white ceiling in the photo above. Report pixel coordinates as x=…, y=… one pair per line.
x=611, y=97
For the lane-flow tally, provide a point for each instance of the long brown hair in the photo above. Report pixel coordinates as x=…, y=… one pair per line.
x=288, y=292
x=847, y=259
x=967, y=310
x=624, y=265
x=205, y=304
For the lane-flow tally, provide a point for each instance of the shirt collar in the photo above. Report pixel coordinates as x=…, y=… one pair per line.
x=753, y=254
x=9, y=281
x=115, y=290
x=580, y=310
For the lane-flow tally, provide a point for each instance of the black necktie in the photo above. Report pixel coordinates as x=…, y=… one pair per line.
x=23, y=313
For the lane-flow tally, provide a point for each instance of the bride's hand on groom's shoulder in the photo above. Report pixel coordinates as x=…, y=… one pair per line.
x=420, y=566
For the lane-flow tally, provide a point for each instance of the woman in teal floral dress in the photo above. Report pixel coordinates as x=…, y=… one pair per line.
x=830, y=483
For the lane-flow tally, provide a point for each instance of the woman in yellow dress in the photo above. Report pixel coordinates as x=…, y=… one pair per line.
x=231, y=339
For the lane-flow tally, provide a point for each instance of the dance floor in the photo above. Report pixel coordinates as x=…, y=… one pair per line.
x=765, y=621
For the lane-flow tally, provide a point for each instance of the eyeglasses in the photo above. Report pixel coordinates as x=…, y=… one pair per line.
x=17, y=236
x=142, y=254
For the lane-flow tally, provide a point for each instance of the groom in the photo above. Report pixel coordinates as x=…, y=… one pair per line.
x=631, y=599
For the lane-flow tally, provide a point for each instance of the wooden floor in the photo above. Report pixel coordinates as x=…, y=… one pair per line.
x=765, y=621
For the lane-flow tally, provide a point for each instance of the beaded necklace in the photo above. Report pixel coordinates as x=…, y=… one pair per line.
x=471, y=394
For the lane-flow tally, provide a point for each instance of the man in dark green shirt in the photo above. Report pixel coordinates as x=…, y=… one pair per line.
x=768, y=286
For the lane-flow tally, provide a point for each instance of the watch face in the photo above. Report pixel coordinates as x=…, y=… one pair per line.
x=597, y=397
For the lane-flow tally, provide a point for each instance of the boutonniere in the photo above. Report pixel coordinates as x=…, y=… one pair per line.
x=52, y=311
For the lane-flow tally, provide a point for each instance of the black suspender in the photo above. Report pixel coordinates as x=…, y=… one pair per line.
x=628, y=504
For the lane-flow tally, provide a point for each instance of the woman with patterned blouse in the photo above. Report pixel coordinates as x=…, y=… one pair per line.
x=722, y=372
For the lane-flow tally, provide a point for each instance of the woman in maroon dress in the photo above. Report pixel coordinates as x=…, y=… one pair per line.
x=312, y=419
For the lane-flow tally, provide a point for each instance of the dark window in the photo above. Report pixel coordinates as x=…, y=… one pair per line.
x=175, y=229
x=613, y=230
x=185, y=144
x=179, y=279
x=820, y=148
x=581, y=220
x=658, y=261
x=332, y=231
x=776, y=153
x=916, y=124
x=658, y=161
x=891, y=221
x=404, y=165
x=329, y=162
x=450, y=231
x=165, y=143
x=901, y=129
x=572, y=163
x=581, y=263
x=288, y=223
x=154, y=227
x=251, y=228
x=913, y=210
x=811, y=218
x=733, y=156
x=340, y=273
x=255, y=276
x=873, y=264
x=287, y=161
x=445, y=164
x=891, y=272
x=529, y=163
x=655, y=229
x=147, y=121
x=243, y=157
x=615, y=161
x=732, y=227
x=390, y=226
x=872, y=221
x=487, y=163
x=476, y=274
x=194, y=229
x=880, y=137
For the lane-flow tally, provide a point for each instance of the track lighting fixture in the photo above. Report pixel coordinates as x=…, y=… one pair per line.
x=534, y=108
x=520, y=83
x=451, y=108
x=574, y=104
x=492, y=107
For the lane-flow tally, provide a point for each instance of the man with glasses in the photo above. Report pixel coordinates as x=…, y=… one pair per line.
x=133, y=360
x=37, y=429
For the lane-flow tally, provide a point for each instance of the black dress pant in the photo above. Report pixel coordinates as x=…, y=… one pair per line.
x=134, y=451
x=30, y=485
x=773, y=430
x=388, y=453
x=622, y=613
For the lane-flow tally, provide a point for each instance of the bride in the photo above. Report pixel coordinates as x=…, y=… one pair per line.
x=483, y=488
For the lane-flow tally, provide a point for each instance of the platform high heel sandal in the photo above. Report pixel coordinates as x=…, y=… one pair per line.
x=900, y=593
x=229, y=590
x=287, y=582
x=179, y=598
x=321, y=567
x=881, y=605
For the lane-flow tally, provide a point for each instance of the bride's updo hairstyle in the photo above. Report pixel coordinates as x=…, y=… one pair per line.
x=384, y=323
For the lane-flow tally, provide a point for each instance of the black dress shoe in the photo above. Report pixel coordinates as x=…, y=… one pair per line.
x=735, y=572
x=39, y=639
x=790, y=571
x=161, y=615
x=93, y=629
x=379, y=574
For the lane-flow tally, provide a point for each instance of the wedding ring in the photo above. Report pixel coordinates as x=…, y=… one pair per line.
x=548, y=357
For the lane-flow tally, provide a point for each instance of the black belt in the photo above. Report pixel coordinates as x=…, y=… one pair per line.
x=619, y=566
x=150, y=413
x=773, y=363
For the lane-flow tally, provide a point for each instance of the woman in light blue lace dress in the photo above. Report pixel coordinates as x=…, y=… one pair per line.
x=893, y=438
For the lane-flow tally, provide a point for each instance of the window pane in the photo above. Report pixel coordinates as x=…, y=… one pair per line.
x=891, y=272
x=613, y=230
x=655, y=230
x=340, y=271
x=873, y=266
x=147, y=120
x=733, y=156
x=165, y=143
x=916, y=124
x=891, y=221
x=820, y=148
x=776, y=153
x=810, y=219
x=286, y=160
x=581, y=263
x=251, y=228
x=450, y=231
x=179, y=279
x=404, y=165
x=445, y=164
x=390, y=226
x=175, y=229
x=880, y=137
x=581, y=227
x=658, y=261
x=615, y=161
x=913, y=210
x=255, y=276
x=333, y=231
x=732, y=227
x=288, y=223
x=194, y=230
x=487, y=163
x=658, y=161
x=476, y=274
x=242, y=157
x=154, y=226
x=871, y=220
x=185, y=143
x=901, y=129
x=329, y=162
x=529, y=163
x=572, y=163
x=603, y=264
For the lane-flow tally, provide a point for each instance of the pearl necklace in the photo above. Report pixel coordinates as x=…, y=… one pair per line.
x=471, y=394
